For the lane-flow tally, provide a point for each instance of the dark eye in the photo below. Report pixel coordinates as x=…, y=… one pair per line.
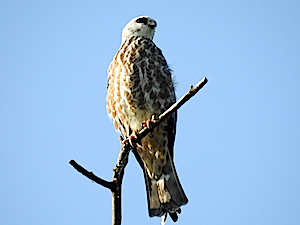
x=143, y=20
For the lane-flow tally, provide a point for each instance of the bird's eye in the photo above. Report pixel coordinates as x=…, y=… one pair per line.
x=143, y=20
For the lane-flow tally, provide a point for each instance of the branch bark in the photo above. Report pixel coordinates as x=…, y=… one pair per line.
x=116, y=184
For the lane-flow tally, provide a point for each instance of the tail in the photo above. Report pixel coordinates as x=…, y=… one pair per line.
x=166, y=194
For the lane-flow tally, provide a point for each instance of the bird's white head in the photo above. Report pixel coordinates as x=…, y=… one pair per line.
x=142, y=26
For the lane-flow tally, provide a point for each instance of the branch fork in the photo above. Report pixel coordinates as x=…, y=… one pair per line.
x=128, y=144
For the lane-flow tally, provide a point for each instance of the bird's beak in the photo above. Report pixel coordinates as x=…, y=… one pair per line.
x=152, y=24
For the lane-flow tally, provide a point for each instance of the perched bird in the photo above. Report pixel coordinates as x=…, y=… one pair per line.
x=139, y=86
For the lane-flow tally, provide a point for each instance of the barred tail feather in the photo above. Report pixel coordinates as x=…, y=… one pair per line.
x=166, y=194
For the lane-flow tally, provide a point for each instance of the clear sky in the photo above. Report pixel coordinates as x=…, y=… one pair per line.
x=237, y=149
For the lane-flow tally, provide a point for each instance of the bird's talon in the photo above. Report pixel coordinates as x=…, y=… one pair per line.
x=149, y=123
x=131, y=140
x=126, y=142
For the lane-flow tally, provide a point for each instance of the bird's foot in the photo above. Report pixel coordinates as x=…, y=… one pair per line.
x=149, y=124
x=132, y=140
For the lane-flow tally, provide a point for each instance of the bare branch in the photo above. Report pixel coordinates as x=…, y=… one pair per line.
x=92, y=176
x=116, y=185
x=168, y=112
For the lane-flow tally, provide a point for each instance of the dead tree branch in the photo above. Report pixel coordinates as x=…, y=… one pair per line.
x=173, y=108
x=116, y=184
x=92, y=176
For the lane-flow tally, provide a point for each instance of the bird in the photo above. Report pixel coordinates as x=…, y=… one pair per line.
x=140, y=86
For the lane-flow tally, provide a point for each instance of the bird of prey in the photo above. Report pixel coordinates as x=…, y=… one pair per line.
x=140, y=85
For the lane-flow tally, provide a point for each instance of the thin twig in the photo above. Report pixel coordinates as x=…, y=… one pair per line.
x=92, y=176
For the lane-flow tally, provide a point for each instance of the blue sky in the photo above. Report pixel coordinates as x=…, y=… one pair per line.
x=237, y=149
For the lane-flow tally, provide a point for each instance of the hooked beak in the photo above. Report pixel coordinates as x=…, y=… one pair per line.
x=152, y=24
